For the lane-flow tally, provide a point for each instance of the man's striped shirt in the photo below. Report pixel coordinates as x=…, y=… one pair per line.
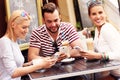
x=41, y=39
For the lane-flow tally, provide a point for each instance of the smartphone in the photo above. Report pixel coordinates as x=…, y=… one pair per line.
x=56, y=55
x=66, y=50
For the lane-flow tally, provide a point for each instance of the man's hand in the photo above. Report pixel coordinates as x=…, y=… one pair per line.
x=61, y=56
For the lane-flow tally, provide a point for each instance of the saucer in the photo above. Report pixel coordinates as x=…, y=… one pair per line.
x=67, y=60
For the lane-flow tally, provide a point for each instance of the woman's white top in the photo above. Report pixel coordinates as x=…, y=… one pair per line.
x=10, y=58
x=109, y=43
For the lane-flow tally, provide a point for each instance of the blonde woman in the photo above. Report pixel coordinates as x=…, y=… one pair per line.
x=11, y=59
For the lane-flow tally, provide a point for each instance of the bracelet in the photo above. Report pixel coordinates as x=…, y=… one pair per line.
x=105, y=57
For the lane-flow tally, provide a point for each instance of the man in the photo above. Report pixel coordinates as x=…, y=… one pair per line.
x=46, y=40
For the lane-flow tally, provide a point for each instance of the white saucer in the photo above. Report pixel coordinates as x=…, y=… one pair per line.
x=68, y=60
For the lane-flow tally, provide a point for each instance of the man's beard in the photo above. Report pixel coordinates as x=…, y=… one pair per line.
x=52, y=31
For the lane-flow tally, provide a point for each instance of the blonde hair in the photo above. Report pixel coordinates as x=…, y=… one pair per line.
x=18, y=16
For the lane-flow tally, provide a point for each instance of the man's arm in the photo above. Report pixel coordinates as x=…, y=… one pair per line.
x=75, y=52
x=33, y=53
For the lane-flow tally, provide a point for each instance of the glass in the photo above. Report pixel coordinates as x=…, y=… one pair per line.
x=89, y=40
x=89, y=43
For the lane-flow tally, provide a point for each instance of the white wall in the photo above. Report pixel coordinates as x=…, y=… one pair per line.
x=112, y=12
x=86, y=22
x=114, y=2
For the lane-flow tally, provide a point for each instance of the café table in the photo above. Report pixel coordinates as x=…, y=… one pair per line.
x=75, y=68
